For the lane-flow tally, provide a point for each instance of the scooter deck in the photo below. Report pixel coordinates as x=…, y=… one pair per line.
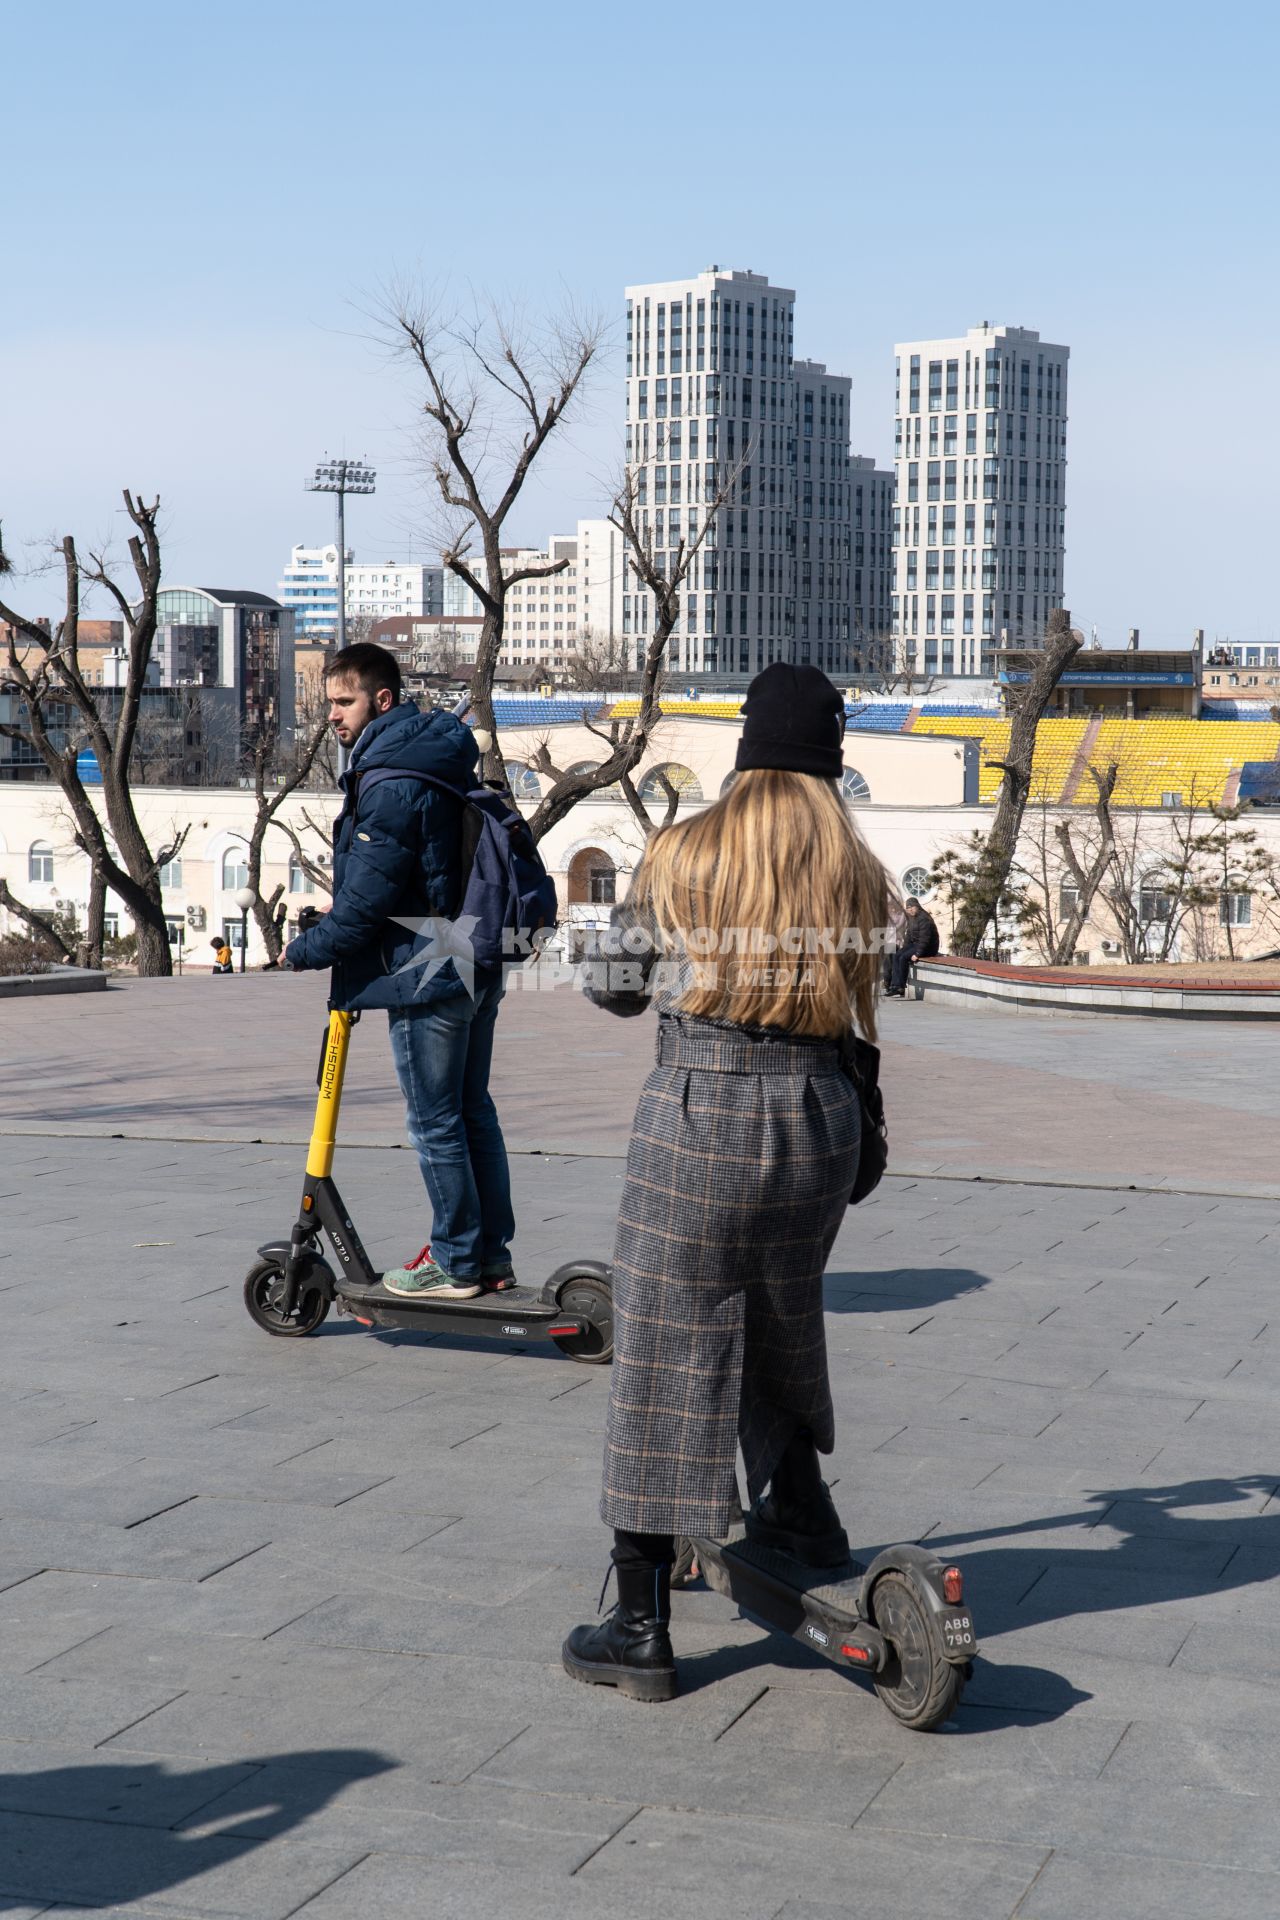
x=820, y=1606
x=520, y=1313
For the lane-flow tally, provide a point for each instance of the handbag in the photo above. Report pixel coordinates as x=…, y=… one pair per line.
x=861, y=1061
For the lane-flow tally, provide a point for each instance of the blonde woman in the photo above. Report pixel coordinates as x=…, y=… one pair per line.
x=759, y=922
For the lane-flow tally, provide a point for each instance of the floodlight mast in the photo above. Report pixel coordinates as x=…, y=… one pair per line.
x=342, y=477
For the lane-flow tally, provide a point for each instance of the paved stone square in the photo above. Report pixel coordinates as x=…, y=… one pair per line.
x=280, y=1621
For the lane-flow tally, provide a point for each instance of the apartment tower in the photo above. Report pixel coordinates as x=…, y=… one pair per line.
x=980, y=460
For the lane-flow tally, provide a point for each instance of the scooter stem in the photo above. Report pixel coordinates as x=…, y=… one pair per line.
x=324, y=1133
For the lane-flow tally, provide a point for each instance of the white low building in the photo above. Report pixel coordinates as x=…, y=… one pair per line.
x=914, y=797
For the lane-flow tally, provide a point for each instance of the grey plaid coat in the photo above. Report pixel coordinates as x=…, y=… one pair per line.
x=742, y=1158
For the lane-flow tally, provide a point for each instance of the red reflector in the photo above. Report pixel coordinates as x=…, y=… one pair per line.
x=953, y=1586
x=575, y=1328
x=363, y=1323
x=856, y=1653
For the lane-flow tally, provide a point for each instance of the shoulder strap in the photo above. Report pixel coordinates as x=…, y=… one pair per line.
x=376, y=774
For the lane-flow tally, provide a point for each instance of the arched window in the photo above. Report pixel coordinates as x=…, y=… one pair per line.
x=854, y=788
x=235, y=870
x=683, y=779
x=523, y=781
x=300, y=880
x=1155, y=902
x=40, y=862
x=593, y=878
x=916, y=882
x=728, y=781
x=601, y=793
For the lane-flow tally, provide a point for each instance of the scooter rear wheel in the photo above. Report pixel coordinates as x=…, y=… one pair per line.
x=919, y=1686
x=309, y=1309
x=592, y=1302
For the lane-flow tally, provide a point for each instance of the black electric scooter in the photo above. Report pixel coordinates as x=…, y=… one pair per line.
x=902, y=1621
x=292, y=1286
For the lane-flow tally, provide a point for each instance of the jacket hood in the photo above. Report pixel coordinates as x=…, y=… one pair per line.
x=437, y=743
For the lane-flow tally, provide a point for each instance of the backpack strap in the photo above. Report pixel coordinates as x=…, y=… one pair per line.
x=363, y=781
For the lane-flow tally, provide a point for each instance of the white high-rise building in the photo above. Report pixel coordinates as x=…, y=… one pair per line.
x=373, y=591
x=709, y=398
x=980, y=457
x=714, y=395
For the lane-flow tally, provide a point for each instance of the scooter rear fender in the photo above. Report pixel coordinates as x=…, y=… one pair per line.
x=924, y=1570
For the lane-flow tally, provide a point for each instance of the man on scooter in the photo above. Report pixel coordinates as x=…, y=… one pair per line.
x=397, y=865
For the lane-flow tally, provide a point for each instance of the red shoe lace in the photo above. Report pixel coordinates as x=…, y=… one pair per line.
x=419, y=1260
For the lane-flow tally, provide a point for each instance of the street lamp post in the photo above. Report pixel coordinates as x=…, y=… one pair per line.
x=244, y=899
x=342, y=477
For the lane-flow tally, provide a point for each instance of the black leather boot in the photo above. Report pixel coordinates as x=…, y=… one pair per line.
x=797, y=1515
x=631, y=1648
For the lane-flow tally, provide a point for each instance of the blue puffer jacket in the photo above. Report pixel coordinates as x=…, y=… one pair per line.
x=399, y=859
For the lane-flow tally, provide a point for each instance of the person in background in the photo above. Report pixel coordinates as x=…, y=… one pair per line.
x=221, y=954
x=917, y=940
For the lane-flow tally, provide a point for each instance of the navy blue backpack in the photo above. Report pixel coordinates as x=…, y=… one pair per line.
x=506, y=889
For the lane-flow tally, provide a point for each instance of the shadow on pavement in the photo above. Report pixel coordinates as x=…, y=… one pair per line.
x=1020, y=1696
x=889, y=1289
x=1168, y=1549
x=95, y=1836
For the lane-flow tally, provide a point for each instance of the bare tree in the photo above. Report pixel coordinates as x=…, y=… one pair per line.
x=599, y=662
x=492, y=400
x=48, y=670
x=991, y=878
x=1086, y=880
x=47, y=929
x=627, y=736
x=267, y=804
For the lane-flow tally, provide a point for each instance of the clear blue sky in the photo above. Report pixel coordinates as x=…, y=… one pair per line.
x=200, y=201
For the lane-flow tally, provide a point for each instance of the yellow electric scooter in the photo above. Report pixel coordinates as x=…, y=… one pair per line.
x=292, y=1286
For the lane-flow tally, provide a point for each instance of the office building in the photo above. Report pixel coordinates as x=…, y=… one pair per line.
x=374, y=590
x=980, y=459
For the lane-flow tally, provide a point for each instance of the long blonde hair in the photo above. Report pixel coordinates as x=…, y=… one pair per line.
x=779, y=903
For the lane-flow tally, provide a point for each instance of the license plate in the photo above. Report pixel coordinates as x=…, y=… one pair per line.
x=957, y=1632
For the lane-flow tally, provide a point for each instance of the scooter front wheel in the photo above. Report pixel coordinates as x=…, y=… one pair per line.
x=262, y=1290
x=920, y=1687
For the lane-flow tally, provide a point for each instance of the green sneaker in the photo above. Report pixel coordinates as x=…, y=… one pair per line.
x=421, y=1278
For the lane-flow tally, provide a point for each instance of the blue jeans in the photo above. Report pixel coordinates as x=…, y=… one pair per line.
x=442, y=1057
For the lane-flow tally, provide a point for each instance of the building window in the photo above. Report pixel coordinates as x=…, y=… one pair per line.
x=683, y=779
x=300, y=880
x=1155, y=902
x=1235, y=909
x=171, y=876
x=853, y=788
x=916, y=883
x=235, y=871
x=40, y=863
x=523, y=781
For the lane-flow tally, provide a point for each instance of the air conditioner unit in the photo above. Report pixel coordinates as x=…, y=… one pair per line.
x=324, y=859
